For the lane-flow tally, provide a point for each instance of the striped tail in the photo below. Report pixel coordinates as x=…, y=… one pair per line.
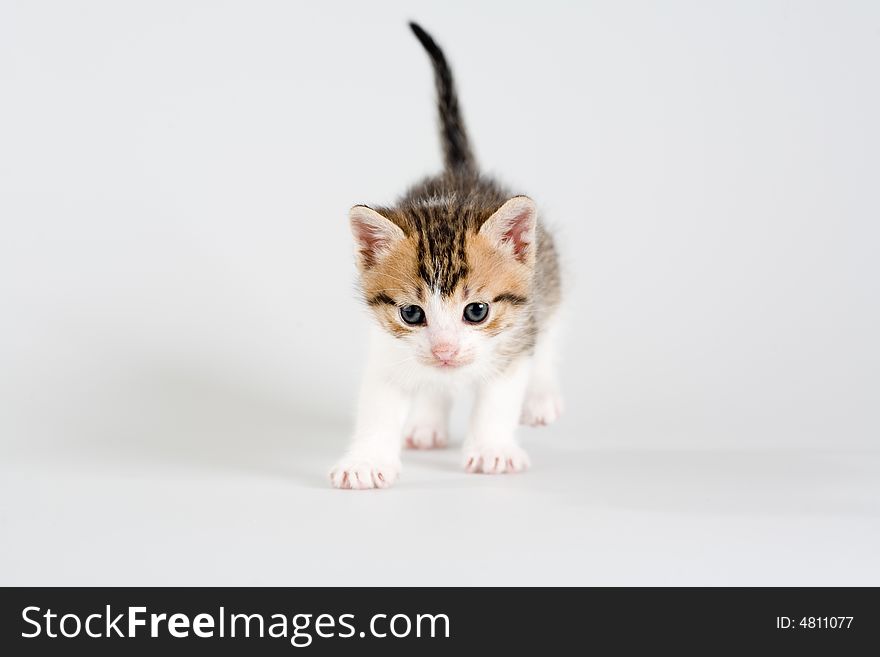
x=456, y=150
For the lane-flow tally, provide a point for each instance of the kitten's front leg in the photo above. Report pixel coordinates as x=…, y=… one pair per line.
x=373, y=458
x=491, y=443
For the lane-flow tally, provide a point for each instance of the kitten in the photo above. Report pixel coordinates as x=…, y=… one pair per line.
x=463, y=282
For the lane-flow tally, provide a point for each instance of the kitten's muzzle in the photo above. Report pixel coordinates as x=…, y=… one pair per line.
x=444, y=352
x=446, y=355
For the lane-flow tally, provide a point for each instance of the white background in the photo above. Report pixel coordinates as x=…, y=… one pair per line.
x=180, y=337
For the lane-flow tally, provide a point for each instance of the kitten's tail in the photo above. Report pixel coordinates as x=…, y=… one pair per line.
x=456, y=150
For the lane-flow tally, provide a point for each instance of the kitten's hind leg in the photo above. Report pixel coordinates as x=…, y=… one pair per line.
x=427, y=424
x=542, y=404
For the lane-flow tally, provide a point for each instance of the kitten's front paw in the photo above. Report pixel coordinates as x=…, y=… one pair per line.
x=541, y=407
x=425, y=436
x=496, y=459
x=359, y=472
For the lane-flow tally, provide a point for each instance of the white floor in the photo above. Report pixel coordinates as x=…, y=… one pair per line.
x=238, y=500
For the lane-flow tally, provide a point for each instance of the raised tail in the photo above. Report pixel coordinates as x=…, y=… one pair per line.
x=456, y=150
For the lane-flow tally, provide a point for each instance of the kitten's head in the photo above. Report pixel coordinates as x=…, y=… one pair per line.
x=452, y=284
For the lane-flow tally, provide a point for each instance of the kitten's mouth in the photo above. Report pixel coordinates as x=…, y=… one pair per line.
x=448, y=364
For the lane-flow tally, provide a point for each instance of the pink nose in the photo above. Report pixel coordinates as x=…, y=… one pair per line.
x=444, y=352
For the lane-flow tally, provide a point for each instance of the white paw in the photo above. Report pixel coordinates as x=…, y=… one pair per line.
x=541, y=407
x=358, y=472
x=496, y=459
x=425, y=436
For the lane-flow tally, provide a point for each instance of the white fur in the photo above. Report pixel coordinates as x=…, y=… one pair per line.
x=399, y=384
x=373, y=458
x=543, y=402
x=428, y=423
x=490, y=445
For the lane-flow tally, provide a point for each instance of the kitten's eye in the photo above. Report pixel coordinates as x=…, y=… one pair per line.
x=412, y=315
x=476, y=312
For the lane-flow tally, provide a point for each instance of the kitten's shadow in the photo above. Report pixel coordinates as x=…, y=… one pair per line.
x=186, y=416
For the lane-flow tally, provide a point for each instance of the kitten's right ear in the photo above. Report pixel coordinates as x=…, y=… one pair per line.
x=374, y=234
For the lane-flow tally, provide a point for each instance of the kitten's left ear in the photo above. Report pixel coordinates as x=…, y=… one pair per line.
x=512, y=228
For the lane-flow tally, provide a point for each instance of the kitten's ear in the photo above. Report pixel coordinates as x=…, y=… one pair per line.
x=374, y=235
x=512, y=228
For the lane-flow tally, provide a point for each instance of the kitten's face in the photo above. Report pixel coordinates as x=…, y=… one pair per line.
x=459, y=303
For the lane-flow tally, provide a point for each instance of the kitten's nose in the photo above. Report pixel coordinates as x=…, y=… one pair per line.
x=444, y=351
